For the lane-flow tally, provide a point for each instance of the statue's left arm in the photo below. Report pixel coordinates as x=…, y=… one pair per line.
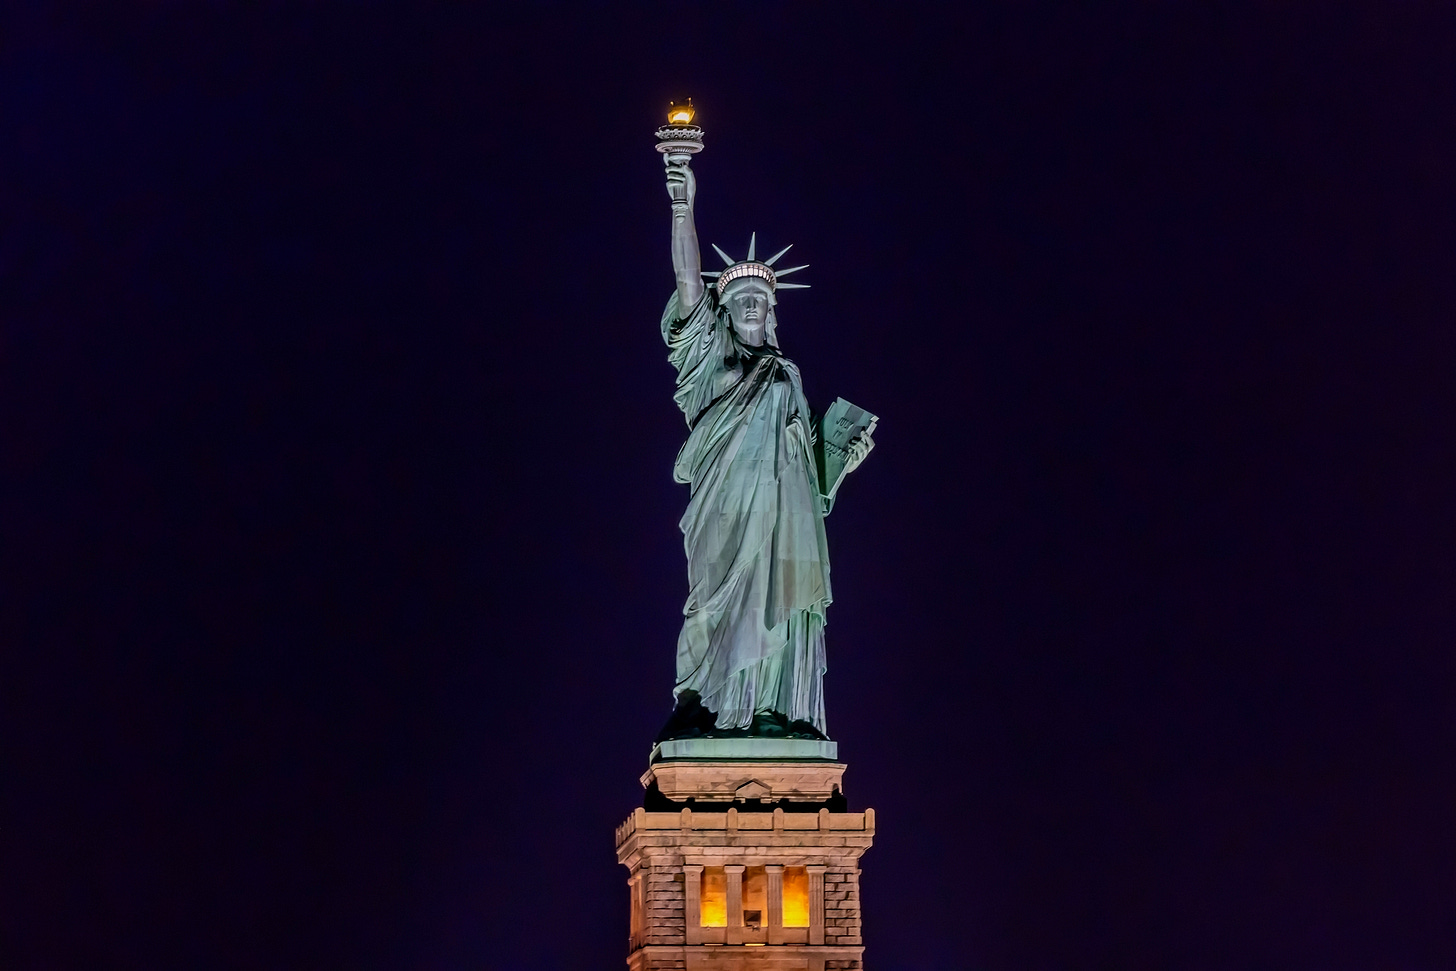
x=858, y=449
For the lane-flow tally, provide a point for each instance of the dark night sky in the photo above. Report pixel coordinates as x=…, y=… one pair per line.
x=341, y=565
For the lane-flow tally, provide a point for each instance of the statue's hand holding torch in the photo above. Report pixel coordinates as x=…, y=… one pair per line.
x=682, y=185
x=678, y=141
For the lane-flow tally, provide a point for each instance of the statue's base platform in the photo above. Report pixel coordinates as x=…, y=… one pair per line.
x=775, y=749
x=736, y=782
x=724, y=771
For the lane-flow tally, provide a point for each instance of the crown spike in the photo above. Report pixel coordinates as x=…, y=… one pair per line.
x=792, y=286
x=752, y=244
x=710, y=274
x=792, y=269
x=770, y=260
x=727, y=260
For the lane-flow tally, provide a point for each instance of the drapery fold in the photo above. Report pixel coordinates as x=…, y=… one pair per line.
x=758, y=565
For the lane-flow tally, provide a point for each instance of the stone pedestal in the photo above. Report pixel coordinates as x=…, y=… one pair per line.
x=738, y=782
x=753, y=872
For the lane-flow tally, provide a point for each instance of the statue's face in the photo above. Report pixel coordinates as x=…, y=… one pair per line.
x=748, y=302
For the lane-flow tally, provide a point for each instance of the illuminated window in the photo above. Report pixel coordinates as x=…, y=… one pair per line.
x=755, y=897
x=713, y=901
x=796, y=896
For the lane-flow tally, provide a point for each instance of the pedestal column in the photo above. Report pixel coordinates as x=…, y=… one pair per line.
x=692, y=903
x=775, y=874
x=816, y=903
x=734, y=873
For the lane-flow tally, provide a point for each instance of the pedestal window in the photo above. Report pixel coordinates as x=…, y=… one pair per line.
x=755, y=898
x=713, y=899
x=796, y=896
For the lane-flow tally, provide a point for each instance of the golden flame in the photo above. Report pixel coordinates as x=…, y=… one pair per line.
x=680, y=114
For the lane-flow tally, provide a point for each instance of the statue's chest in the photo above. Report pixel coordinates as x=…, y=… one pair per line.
x=772, y=384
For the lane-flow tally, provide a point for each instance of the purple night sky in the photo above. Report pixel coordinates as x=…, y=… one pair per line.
x=341, y=566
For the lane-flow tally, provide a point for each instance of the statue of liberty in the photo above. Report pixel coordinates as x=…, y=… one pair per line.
x=750, y=658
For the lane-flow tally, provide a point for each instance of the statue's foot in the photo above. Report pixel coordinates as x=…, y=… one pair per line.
x=805, y=729
x=773, y=724
x=769, y=724
x=691, y=720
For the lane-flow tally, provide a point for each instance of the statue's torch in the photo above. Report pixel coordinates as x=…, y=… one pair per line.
x=680, y=139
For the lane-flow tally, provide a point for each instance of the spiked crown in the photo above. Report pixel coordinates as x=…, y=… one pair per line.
x=751, y=267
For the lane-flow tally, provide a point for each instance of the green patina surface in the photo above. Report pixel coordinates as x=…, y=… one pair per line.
x=750, y=657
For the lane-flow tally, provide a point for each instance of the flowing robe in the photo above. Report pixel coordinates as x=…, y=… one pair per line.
x=758, y=566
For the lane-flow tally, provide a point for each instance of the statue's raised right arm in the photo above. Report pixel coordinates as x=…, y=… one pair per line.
x=687, y=264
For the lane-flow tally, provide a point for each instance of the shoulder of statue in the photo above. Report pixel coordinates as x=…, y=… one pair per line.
x=702, y=318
